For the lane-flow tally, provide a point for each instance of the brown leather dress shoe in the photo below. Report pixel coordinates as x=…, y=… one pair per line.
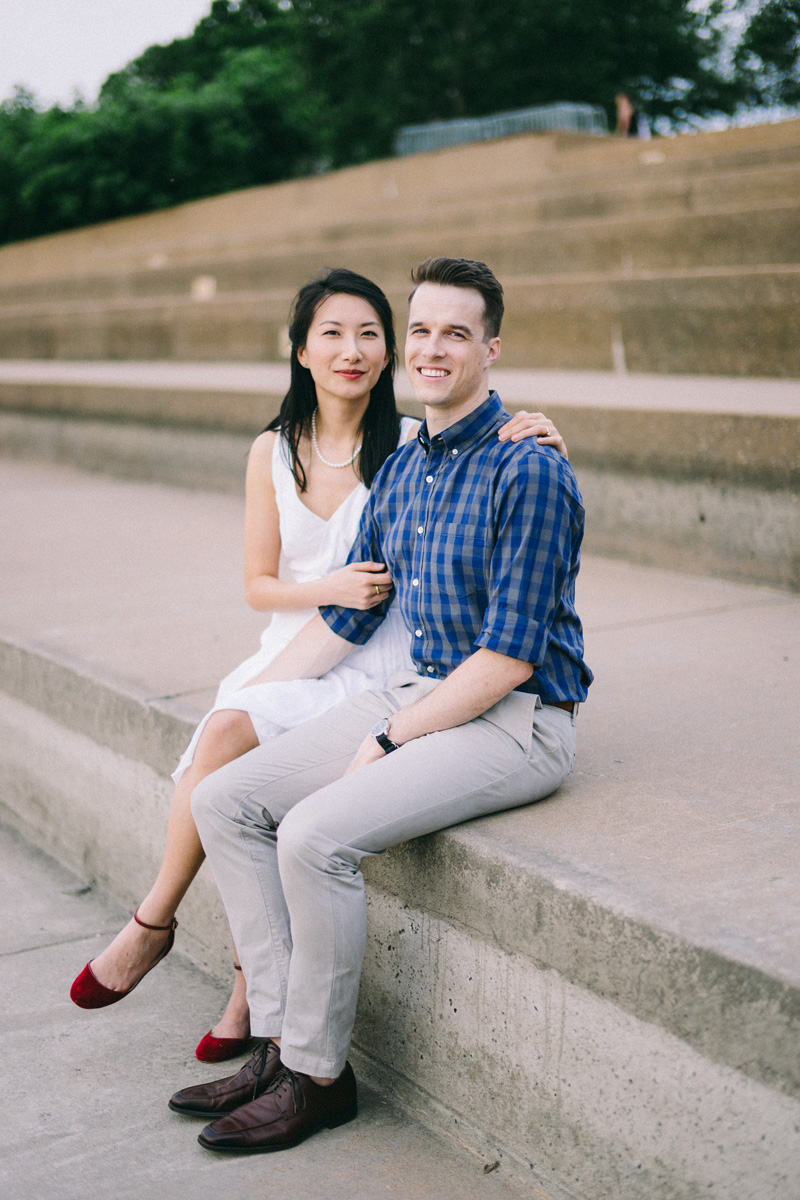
x=290, y=1110
x=225, y=1095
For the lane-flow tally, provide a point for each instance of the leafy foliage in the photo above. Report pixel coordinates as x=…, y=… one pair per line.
x=768, y=56
x=383, y=64
x=229, y=29
x=264, y=90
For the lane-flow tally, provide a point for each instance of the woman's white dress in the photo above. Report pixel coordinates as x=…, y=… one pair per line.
x=310, y=548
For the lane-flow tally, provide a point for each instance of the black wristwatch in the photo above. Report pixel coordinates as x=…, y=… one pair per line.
x=379, y=733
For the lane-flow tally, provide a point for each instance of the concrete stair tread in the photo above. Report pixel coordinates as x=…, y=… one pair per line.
x=641, y=214
x=606, y=389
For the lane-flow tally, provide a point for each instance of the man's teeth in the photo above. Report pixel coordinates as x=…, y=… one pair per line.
x=432, y=372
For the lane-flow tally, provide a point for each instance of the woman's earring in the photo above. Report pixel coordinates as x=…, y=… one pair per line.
x=303, y=364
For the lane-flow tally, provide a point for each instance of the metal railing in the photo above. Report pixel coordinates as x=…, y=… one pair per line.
x=546, y=118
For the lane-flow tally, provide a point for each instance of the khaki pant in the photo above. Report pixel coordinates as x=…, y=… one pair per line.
x=285, y=834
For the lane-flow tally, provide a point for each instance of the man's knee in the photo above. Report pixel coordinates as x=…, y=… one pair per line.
x=306, y=835
x=218, y=796
x=205, y=800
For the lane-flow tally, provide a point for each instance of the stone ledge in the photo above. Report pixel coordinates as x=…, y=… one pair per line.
x=757, y=448
x=113, y=714
x=195, y=408
x=735, y=320
x=709, y=493
x=546, y=234
x=509, y=1004
x=533, y=905
x=517, y=900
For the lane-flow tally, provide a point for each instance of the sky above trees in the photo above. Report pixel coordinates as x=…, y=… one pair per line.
x=56, y=50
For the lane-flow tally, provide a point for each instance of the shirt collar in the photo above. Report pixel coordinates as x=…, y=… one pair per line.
x=468, y=429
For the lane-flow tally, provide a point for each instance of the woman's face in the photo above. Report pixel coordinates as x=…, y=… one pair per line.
x=346, y=348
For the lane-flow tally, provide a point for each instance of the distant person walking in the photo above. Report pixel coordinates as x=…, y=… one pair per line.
x=627, y=117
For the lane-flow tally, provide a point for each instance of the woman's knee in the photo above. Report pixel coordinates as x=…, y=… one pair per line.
x=227, y=734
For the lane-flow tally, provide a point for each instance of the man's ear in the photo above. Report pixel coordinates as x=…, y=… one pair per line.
x=492, y=350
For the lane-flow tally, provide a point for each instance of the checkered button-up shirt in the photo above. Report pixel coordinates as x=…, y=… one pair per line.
x=482, y=539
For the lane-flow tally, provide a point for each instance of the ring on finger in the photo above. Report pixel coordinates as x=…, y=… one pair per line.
x=377, y=590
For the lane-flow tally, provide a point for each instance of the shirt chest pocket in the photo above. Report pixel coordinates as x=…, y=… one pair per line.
x=456, y=558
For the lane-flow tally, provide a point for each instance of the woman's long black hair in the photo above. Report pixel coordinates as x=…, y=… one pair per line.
x=380, y=428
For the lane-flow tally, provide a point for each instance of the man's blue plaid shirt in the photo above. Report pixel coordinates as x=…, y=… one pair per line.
x=482, y=539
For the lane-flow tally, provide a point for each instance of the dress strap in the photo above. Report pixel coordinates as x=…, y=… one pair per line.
x=282, y=478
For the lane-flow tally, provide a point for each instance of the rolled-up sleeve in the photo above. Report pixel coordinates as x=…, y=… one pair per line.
x=534, y=527
x=354, y=624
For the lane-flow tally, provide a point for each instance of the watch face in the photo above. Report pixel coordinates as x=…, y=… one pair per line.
x=379, y=732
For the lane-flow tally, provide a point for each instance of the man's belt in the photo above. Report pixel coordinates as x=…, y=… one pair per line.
x=568, y=705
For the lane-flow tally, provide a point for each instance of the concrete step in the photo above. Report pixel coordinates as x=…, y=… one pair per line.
x=514, y=242
x=688, y=473
x=726, y=321
x=96, y=1122
x=740, y=320
x=601, y=992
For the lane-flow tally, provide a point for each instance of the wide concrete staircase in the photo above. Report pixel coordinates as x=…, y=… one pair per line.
x=602, y=992
x=681, y=255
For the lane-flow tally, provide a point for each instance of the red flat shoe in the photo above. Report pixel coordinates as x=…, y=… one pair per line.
x=212, y=1049
x=89, y=992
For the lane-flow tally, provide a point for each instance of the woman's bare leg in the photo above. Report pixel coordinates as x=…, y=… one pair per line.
x=235, y=1021
x=227, y=735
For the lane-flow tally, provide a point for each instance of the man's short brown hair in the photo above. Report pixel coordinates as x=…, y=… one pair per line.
x=466, y=273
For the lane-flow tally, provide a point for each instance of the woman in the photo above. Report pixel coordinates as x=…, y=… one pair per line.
x=307, y=481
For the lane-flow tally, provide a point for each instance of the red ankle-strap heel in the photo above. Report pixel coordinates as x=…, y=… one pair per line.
x=88, y=992
x=212, y=1049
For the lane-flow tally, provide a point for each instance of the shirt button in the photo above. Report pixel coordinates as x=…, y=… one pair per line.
x=418, y=632
x=420, y=529
x=430, y=670
x=415, y=583
x=454, y=453
x=429, y=479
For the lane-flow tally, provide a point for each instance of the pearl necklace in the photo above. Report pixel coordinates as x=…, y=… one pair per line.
x=320, y=456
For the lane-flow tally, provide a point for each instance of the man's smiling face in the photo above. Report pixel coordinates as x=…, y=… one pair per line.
x=447, y=356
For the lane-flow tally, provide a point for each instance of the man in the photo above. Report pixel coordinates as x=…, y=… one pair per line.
x=481, y=537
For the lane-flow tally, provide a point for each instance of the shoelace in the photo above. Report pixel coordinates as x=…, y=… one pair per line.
x=259, y=1063
x=287, y=1076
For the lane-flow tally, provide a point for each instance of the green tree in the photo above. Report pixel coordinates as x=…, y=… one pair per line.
x=768, y=56
x=230, y=28
x=385, y=63
x=143, y=149
x=19, y=121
